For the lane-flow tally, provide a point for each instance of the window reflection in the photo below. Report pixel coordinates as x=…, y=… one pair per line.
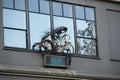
x=85, y=29
x=89, y=13
x=86, y=46
x=33, y=5
x=14, y=38
x=14, y=19
x=44, y=6
x=57, y=8
x=67, y=10
x=67, y=22
x=20, y=4
x=8, y=3
x=80, y=12
x=39, y=25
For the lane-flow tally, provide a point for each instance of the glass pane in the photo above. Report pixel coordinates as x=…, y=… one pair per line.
x=86, y=29
x=14, y=38
x=20, y=4
x=33, y=5
x=57, y=61
x=67, y=10
x=89, y=13
x=14, y=19
x=80, y=12
x=86, y=46
x=39, y=25
x=57, y=8
x=44, y=6
x=8, y=3
x=67, y=22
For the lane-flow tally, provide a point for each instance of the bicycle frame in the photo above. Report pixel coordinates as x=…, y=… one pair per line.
x=58, y=43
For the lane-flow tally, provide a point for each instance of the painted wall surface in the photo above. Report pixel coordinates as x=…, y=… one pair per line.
x=108, y=36
x=3, y=77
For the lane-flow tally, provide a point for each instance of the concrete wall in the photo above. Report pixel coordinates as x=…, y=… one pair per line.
x=107, y=67
x=3, y=77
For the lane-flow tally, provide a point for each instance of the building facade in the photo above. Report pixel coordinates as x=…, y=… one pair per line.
x=93, y=29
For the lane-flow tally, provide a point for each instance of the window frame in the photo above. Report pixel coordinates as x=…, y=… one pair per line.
x=51, y=24
x=18, y=29
x=96, y=39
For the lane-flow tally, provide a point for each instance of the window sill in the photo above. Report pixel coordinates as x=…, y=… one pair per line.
x=89, y=57
x=16, y=49
x=60, y=54
x=116, y=60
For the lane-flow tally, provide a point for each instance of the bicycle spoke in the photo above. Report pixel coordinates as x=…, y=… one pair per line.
x=46, y=45
x=36, y=46
x=68, y=48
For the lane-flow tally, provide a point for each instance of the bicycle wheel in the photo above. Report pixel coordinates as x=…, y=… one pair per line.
x=68, y=48
x=46, y=45
x=66, y=37
x=36, y=46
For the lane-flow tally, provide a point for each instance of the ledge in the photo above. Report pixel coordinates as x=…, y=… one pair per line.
x=116, y=1
x=116, y=60
x=52, y=73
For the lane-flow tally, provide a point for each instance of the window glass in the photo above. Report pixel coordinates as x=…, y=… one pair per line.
x=20, y=4
x=40, y=22
x=39, y=25
x=85, y=29
x=86, y=46
x=67, y=22
x=8, y=3
x=44, y=6
x=89, y=13
x=57, y=8
x=67, y=10
x=14, y=19
x=14, y=38
x=33, y=5
x=80, y=12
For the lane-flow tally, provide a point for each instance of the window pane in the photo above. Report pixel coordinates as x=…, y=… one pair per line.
x=86, y=29
x=33, y=5
x=86, y=46
x=8, y=3
x=80, y=12
x=67, y=10
x=14, y=19
x=67, y=22
x=44, y=6
x=39, y=25
x=14, y=38
x=57, y=8
x=20, y=4
x=89, y=13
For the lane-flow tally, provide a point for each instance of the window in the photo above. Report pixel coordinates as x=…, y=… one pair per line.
x=8, y=3
x=14, y=19
x=15, y=38
x=67, y=10
x=20, y=4
x=80, y=13
x=33, y=5
x=37, y=29
x=44, y=6
x=86, y=31
x=57, y=8
x=26, y=21
x=14, y=22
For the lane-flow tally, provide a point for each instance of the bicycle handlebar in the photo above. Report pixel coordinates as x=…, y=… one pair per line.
x=57, y=31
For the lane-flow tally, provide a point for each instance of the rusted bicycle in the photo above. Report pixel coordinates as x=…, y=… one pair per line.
x=58, y=44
